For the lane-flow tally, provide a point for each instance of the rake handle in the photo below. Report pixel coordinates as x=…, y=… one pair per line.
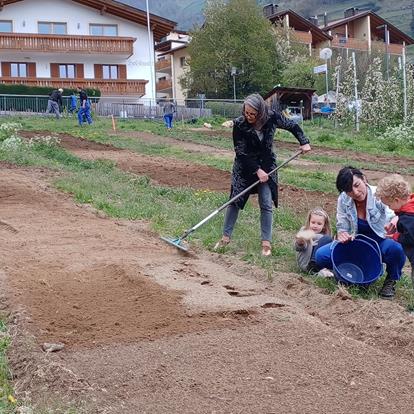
x=236, y=197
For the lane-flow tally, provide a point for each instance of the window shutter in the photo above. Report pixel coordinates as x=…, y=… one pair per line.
x=98, y=71
x=31, y=70
x=79, y=71
x=5, y=69
x=122, y=72
x=54, y=70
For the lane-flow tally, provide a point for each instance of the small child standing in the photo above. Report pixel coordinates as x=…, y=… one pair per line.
x=314, y=234
x=395, y=192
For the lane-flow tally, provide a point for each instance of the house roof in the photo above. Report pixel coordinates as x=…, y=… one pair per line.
x=171, y=51
x=165, y=46
x=291, y=92
x=396, y=35
x=160, y=26
x=298, y=22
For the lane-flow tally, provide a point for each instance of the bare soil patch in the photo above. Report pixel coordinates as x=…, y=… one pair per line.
x=147, y=329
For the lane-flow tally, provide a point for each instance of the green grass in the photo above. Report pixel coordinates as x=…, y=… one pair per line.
x=6, y=390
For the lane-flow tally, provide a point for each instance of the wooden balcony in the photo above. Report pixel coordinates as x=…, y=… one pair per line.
x=27, y=42
x=350, y=43
x=163, y=65
x=302, y=37
x=164, y=85
x=392, y=48
x=108, y=87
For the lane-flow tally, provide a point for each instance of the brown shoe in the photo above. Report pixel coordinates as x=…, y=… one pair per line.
x=266, y=248
x=223, y=242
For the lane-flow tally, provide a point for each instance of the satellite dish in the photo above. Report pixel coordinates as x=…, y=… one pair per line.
x=325, y=53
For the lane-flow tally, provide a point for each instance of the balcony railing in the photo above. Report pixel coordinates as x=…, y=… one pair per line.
x=163, y=64
x=163, y=85
x=302, y=37
x=391, y=48
x=114, y=87
x=66, y=43
x=350, y=43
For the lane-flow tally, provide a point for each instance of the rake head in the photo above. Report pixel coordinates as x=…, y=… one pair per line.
x=176, y=242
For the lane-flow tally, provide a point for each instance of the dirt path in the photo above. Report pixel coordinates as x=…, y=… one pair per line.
x=347, y=156
x=149, y=330
x=178, y=173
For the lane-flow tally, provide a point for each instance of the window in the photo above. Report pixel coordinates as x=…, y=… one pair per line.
x=18, y=70
x=51, y=28
x=110, y=71
x=182, y=61
x=103, y=29
x=67, y=71
x=6, y=26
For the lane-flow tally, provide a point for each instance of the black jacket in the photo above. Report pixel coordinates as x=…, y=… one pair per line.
x=405, y=226
x=82, y=96
x=253, y=153
x=57, y=97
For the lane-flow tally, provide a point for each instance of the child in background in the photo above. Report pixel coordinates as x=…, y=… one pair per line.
x=314, y=234
x=73, y=103
x=395, y=192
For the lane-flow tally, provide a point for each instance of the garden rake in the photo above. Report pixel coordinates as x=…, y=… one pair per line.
x=178, y=241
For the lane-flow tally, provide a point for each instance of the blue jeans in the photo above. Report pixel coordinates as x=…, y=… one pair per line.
x=168, y=120
x=84, y=112
x=266, y=216
x=392, y=255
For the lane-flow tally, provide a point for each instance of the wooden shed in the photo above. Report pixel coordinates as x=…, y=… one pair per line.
x=280, y=97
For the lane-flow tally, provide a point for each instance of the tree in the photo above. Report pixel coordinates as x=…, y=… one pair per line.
x=235, y=34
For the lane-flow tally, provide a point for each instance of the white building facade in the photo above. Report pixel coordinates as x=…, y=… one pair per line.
x=66, y=43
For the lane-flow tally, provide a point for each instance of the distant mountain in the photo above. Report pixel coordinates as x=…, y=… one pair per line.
x=187, y=13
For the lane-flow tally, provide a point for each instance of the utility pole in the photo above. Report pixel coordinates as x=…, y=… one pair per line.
x=404, y=84
x=234, y=73
x=151, y=55
x=356, y=94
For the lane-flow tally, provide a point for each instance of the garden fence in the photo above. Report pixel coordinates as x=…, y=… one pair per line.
x=125, y=107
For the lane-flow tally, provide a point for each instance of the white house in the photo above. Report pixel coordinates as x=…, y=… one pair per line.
x=65, y=43
x=172, y=60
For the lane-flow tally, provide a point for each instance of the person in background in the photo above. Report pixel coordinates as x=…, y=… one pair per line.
x=168, y=109
x=360, y=212
x=253, y=134
x=73, y=104
x=395, y=192
x=315, y=101
x=313, y=235
x=85, y=107
x=54, y=102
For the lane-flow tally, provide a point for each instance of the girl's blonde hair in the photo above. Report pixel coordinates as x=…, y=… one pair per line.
x=319, y=211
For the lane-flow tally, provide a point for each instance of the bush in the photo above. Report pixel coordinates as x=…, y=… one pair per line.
x=40, y=90
x=400, y=136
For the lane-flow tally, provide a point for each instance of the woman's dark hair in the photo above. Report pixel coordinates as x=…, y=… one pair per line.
x=345, y=178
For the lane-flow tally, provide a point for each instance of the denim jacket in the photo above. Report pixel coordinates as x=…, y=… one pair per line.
x=378, y=214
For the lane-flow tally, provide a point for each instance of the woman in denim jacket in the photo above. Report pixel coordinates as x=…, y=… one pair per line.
x=360, y=212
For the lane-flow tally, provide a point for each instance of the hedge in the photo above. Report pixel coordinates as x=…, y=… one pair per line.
x=41, y=90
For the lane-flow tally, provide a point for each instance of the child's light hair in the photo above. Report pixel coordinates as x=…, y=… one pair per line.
x=319, y=211
x=393, y=187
